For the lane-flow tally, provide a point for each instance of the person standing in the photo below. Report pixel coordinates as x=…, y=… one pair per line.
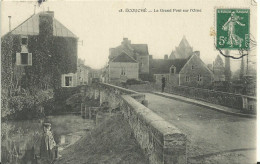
x=48, y=148
x=163, y=83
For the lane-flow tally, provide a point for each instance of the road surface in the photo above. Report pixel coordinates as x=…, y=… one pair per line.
x=213, y=137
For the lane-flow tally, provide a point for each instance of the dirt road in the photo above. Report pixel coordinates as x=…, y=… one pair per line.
x=213, y=137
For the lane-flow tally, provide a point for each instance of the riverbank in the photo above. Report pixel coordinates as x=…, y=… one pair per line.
x=110, y=142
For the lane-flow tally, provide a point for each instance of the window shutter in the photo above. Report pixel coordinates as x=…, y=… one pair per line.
x=18, y=59
x=62, y=80
x=29, y=58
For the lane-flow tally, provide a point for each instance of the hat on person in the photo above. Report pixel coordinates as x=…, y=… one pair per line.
x=46, y=124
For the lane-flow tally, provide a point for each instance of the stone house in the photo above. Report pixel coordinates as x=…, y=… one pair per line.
x=167, y=68
x=83, y=73
x=40, y=52
x=139, y=52
x=122, y=67
x=195, y=73
x=189, y=72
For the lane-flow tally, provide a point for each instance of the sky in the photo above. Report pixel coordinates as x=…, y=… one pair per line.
x=101, y=26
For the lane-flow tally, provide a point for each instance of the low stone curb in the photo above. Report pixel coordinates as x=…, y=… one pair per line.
x=198, y=103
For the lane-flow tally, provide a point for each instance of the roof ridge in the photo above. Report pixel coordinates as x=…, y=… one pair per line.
x=122, y=54
x=20, y=24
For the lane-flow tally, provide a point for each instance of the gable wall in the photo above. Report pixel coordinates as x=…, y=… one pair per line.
x=199, y=68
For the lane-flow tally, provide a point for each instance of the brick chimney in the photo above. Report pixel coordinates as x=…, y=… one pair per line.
x=126, y=41
x=46, y=23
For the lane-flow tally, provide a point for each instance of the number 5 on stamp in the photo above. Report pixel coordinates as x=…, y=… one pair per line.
x=232, y=26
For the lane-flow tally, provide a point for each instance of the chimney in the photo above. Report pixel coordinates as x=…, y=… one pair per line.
x=9, y=22
x=46, y=23
x=166, y=57
x=125, y=41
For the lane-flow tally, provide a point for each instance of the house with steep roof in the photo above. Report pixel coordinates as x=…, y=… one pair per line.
x=122, y=67
x=189, y=72
x=42, y=51
x=167, y=68
x=183, y=67
x=139, y=52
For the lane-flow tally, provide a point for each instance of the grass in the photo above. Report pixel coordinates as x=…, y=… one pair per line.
x=111, y=142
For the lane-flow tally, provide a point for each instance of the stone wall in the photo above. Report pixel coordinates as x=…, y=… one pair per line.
x=162, y=142
x=237, y=101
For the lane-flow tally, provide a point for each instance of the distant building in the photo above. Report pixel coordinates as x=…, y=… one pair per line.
x=195, y=73
x=83, y=73
x=122, y=67
x=138, y=52
x=167, y=68
x=183, y=51
x=219, y=69
x=183, y=67
x=39, y=52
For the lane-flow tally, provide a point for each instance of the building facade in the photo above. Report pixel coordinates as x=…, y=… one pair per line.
x=139, y=52
x=38, y=52
x=121, y=68
x=195, y=73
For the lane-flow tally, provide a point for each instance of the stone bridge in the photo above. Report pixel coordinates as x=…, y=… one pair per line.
x=161, y=141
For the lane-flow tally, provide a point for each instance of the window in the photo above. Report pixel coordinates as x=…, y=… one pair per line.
x=24, y=59
x=199, y=77
x=68, y=81
x=192, y=67
x=172, y=69
x=187, y=78
x=123, y=71
x=24, y=41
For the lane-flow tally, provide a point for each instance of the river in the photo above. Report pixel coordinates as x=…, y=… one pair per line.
x=20, y=139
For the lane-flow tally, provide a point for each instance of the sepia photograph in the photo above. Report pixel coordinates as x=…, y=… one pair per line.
x=128, y=82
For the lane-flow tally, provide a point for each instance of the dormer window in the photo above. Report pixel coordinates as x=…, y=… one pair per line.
x=172, y=69
x=24, y=41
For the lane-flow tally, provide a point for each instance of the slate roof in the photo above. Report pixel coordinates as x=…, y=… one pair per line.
x=123, y=57
x=31, y=27
x=161, y=66
x=131, y=50
x=141, y=49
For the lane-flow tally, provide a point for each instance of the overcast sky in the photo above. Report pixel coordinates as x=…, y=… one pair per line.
x=101, y=26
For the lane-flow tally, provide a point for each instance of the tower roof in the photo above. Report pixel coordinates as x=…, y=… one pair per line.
x=184, y=42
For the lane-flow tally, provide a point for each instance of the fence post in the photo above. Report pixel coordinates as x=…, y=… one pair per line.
x=81, y=109
x=85, y=112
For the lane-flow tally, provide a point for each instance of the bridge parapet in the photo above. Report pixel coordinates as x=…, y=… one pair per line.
x=162, y=142
x=237, y=101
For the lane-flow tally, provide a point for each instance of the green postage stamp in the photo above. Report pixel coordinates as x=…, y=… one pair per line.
x=232, y=27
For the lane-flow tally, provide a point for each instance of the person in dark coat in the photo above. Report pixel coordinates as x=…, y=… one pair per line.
x=163, y=83
x=48, y=146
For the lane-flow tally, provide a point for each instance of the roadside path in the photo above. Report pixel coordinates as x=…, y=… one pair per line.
x=213, y=137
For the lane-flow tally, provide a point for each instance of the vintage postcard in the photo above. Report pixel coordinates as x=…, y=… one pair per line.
x=126, y=82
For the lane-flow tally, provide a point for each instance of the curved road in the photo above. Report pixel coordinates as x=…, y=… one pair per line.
x=213, y=137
